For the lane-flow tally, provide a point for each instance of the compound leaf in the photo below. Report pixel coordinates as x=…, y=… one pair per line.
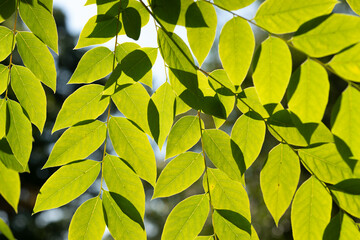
x=231, y=225
x=10, y=186
x=6, y=37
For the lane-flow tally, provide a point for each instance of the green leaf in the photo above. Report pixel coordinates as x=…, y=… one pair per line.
x=179, y=174
x=204, y=238
x=99, y=29
x=95, y=64
x=122, y=180
x=6, y=40
x=122, y=222
x=236, y=47
x=273, y=70
x=248, y=133
x=77, y=142
x=161, y=113
x=279, y=178
x=341, y=227
x=37, y=57
x=219, y=79
x=201, y=28
x=227, y=194
x=132, y=22
x=185, y=133
x=86, y=103
x=327, y=164
x=346, y=119
x=347, y=63
x=308, y=92
x=224, y=153
x=2, y=118
x=4, y=229
x=167, y=12
x=133, y=146
x=66, y=184
x=4, y=75
x=10, y=186
x=133, y=101
x=348, y=202
x=88, y=221
x=311, y=210
x=331, y=35
x=7, y=8
x=187, y=218
x=233, y=4
x=355, y=5
x=8, y=159
x=231, y=225
x=19, y=134
x=286, y=16
x=124, y=49
x=30, y=93
x=40, y=21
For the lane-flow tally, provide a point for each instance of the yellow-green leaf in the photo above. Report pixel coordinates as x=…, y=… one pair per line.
x=10, y=186
x=77, y=143
x=4, y=78
x=308, y=92
x=272, y=71
x=355, y=5
x=183, y=135
x=4, y=228
x=311, y=210
x=7, y=8
x=37, y=57
x=284, y=16
x=187, y=218
x=236, y=47
x=132, y=145
x=233, y=4
x=341, y=227
x=2, y=118
x=6, y=38
x=122, y=180
x=179, y=174
x=40, y=21
x=279, y=178
x=88, y=221
x=95, y=64
x=66, y=184
x=231, y=225
x=347, y=201
x=331, y=35
x=30, y=93
x=86, y=103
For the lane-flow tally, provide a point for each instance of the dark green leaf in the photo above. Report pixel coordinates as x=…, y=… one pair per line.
x=132, y=22
x=7, y=8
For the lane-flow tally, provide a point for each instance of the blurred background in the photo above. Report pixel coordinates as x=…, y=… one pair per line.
x=70, y=17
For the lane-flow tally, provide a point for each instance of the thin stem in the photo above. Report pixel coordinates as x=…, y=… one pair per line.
x=12, y=49
x=206, y=169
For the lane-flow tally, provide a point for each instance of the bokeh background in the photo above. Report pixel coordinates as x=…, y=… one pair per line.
x=70, y=17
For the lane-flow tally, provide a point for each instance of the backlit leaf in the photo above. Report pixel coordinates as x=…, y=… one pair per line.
x=132, y=22
x=347, y=63
x=187, y=218
x=37, y=57
x=279, y=178
x=40, y=21
x=331, y=35
x=227, y=194
x=236, y=47
x=248, y=133
x=247, y=99
x=231, y=225
x=167, y=12
x=183, y=135
x=132, y=101
x=6, y=38
x=66, y=184
x=311, y=210
x=4, y=74
x=88, y=221
x=4, y=229
x=341, y=227
x=86, y=103
x=273, y=70
x=30, y=93
x=2, y=118
x=201, y=28
x=77, y=143
x=7, y=8
x=122, y=180
x=355, y=5
x=99, y=29
x=124, y=49
x=233, y=4
x=95, y=64
x=224, y=153
x=284, y=16
x=346, y=119
x=10, y=186
x=132, y=145
x=348, y=202
x=19, y=133
x=179, y=174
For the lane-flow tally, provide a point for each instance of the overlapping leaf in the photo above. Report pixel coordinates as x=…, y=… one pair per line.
x=233, y=4
x=7, y=8
x=355, y=5
x=231, y=225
